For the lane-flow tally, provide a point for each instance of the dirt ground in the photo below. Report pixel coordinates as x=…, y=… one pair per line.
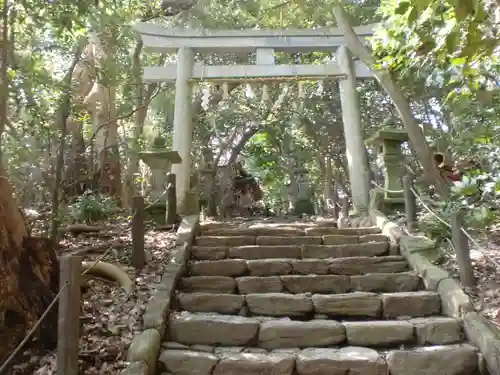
x=110, y=317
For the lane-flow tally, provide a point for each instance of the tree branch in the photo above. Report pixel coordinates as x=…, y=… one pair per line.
x=402, y=105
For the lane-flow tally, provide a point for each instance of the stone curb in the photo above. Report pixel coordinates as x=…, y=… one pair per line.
x=418, y=250
x=145, y=347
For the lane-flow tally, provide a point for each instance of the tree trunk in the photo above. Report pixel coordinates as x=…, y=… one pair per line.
x=140, y=117
x=101, y=103
x=29, y=268
x=415, y=134
x=30, y=277
x=78, y=174
x=63, y=113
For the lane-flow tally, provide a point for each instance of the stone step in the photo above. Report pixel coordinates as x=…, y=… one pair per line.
x=288, y=240
x=216, y=241
x=255, y=231
x=265, y=252
x=297, y=224
x=459, y=359
x=364, y=265
x=340, y=239
x=276, y=267
x=269, y=333
x=333, y=239
x=322, y=231
x=370, y=249
x=208, y=284
x=296, y=284
x=278, y=304
x=287, y=249
x=289, y=231
x=286, y=266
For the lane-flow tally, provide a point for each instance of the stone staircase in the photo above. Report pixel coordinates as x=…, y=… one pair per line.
x=302, y=299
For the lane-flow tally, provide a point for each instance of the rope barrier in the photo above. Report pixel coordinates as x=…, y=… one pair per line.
x=386, y=190
x=101, y=257
x=56, y=299
x=273, y=79
x=33, y=329
x=429, y=209
x=4, y=366
x=469, y=237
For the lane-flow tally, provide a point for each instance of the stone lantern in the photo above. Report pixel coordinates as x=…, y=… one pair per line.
x=159, y=159
x=390, y=159
x=302, y=193
x=206, y=182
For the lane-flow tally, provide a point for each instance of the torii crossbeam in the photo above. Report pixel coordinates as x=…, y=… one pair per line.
x=187, y=42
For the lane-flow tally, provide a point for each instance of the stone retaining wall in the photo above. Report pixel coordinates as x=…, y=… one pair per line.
x=420, y=252
x=145, y=347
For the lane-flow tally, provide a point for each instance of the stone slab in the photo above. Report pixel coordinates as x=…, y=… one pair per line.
x=224, y=267
x=358, y=304
x=224, y=241
x=322, y=284
x=338, y=239
x=212, y=329
x=279, y=304
x=379, y=333
x=285, y=333
x=208, y=284
x=371, y=249
x=209, y=252
x=256, y=232
x=437, y=330
x=443, y=360
x=480, y=333
x=365, y=265
x=386, y=282
x=414, y=304
x=288, y=240
x=255, y=284
x=210, y=302
x=187, y=362
x=264, y=252
x=269, y=267
x=348, y=360
x=322, y=231
x=256, y=363
x=310, y=266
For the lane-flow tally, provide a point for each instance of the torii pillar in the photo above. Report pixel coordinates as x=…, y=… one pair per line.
x=357, y=162
x=183, y=122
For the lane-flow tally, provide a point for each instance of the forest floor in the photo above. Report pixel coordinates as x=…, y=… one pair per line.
x=110, y=317
x=486, y=263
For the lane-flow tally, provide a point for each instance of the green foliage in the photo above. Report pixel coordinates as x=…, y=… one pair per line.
x=476, y=195
x=455, y=39
x=437, y=50
x=89, y=208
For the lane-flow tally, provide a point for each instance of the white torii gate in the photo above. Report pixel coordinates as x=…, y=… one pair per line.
x=264, y=43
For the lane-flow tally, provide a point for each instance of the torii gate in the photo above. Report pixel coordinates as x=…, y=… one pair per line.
x=264, y=43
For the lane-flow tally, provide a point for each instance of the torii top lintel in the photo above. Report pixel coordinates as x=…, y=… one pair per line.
x=161, y=39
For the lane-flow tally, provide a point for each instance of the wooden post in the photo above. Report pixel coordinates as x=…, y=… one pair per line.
x=335, y=201
x=138, y=258
x=410, y=203
x=171, y=218
x=69, y=315
x=461, y=244
x=345, y=206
